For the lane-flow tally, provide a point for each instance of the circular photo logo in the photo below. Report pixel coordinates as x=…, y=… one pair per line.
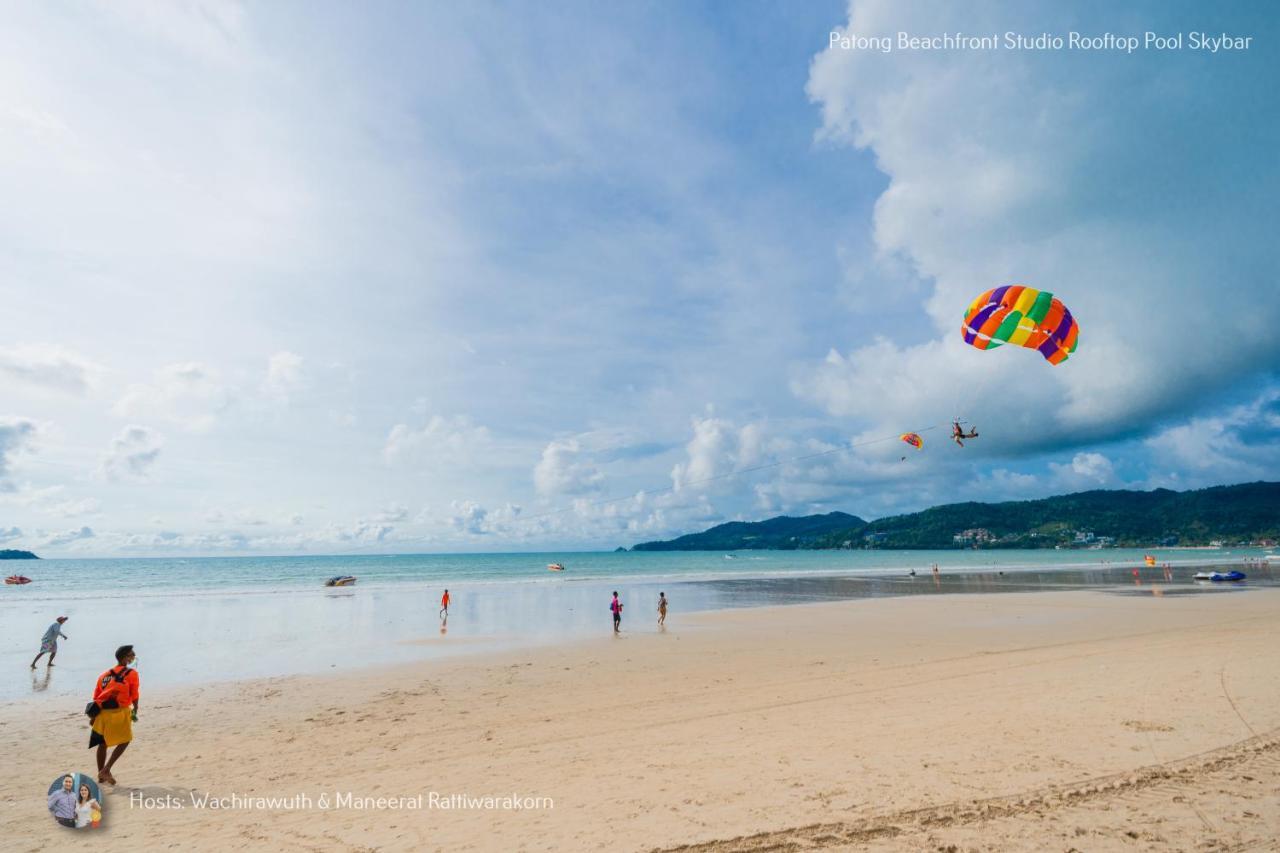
x=75, y=801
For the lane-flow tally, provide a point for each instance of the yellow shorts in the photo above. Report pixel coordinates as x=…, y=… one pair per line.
x=113, y=726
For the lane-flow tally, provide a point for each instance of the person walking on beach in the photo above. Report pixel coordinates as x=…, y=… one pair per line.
x=662, y=608
x=62, y=802
x=444, y=605
x=117, y=696
x=49, y=642
x=616, y=607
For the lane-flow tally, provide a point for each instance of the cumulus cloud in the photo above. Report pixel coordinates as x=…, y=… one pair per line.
x=189, y=394
x=16, y=435
x=1240, y=443
x=66, y=537
x=10, y=534
x=717, y=448
x=440, y=439
x=284, y=375
x=1085, y=471
x=48, y=367
x=1088, y=179
x=132, y=453
x=563, y=471
x=473, y=519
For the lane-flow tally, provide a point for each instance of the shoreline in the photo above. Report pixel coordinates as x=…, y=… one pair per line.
x=839, y=714
x=229, y=637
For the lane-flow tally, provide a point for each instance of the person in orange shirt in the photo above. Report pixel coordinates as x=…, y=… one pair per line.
x=444, y=605
x=117, y=697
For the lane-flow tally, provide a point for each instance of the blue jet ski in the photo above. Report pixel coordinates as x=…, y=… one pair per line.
x=1220, y=576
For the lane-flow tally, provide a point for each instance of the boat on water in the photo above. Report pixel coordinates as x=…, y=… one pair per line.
x=17, y=580
x=555, y=567
x=340, y=580
x=1220, y=576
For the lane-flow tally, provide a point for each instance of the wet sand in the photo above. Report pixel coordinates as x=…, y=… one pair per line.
x=1046, y=720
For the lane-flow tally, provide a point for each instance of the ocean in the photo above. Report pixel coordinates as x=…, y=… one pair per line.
x=230, y=618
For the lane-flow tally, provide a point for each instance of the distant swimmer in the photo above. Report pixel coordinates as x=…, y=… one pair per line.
x=662, y=608
x=444, y=604
x=616, y=607
x=49, y=642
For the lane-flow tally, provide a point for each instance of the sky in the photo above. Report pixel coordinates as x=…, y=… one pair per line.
x=323, y=278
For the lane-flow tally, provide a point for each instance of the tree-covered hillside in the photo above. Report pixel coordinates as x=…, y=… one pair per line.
x=1239, y=514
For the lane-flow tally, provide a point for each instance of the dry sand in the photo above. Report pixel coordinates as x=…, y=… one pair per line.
x=1044, y=721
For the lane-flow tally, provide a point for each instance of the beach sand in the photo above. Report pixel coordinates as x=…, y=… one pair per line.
x=1037, y=721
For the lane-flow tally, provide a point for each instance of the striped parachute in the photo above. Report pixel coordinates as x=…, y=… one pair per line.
x=912, y=439
x=1024, y=316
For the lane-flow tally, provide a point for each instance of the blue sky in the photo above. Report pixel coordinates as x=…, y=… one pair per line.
x=313, y=278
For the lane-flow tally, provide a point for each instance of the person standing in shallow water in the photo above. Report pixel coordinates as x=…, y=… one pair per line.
x=662, y=608
x=616, y=607
x=444, y=605
x=49, y=642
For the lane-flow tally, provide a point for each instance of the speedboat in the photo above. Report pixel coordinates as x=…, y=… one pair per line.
x=555, y=567
x=17, y=580
x=341, y=580
x=1220, y=576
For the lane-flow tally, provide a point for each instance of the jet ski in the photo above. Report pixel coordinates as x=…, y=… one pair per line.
x=340, y=580
x=1220, y=576
x=17, y=580
x=555, y=567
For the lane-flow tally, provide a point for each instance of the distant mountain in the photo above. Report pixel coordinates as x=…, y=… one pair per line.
x=1241, y=514
x=781, y=533
x=17, y=555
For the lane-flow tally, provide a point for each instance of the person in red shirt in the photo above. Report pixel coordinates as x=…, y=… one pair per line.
x=117, y=696
x=444, y=604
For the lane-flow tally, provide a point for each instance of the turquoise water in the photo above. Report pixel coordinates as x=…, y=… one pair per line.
x=68, y=580
x=222, y=619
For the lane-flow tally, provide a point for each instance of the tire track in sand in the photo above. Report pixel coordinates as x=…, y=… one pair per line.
x=1152, y=781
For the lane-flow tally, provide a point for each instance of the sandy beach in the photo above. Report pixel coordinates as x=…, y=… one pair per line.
x=1059, y=720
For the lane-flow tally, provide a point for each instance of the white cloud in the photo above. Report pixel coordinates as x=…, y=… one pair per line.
x=189, y=394
x=49, y=367
x=473, y=519
x=10, y=534
x=442, y=439
x=717, y=448
x=16, y=435
x=66, y=537
x=1085, y=471
x=132, y=453
x=52, y=500
x=1082, y=179
x=393, y=514
x=1237, y=444
x=562, y=471
x=284, y=375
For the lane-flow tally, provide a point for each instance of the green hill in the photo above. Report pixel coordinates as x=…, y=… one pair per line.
x=1239, y=514
x=781, y=533
x=10, y=554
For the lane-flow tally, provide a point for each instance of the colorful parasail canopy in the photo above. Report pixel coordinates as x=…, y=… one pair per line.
x=912, y=439
x=1024, y=316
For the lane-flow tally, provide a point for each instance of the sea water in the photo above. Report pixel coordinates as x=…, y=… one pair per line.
x=229, y=618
